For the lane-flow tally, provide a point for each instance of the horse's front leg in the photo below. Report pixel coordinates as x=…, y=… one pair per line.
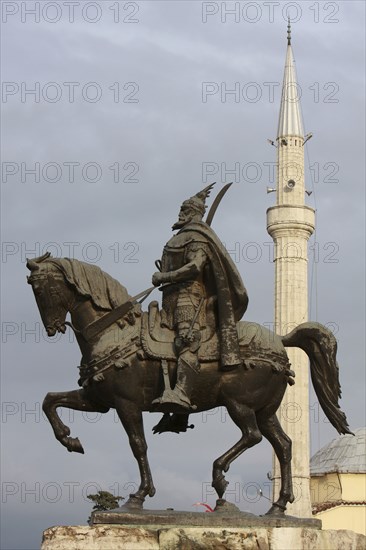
x=75, y=399
x=131, y=418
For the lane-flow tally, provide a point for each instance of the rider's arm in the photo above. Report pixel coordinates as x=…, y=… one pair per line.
x=196, y=260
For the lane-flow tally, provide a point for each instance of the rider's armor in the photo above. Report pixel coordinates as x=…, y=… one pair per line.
x=182, y=299
x=184, y=311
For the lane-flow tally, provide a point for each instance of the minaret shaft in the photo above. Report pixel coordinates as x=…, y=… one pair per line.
x=290, y=224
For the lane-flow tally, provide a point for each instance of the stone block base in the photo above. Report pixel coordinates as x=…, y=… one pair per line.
x=122, y=537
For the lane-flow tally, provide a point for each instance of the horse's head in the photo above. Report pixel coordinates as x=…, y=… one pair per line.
x=51, y=292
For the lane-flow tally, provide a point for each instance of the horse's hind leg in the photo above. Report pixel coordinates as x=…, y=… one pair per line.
x=245, y=419
x=76, y=400
x=281, y=443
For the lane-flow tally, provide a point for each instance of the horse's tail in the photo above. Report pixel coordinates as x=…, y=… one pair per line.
x=321, y=347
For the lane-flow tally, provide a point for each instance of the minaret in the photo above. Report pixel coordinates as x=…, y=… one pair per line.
x=290, y=224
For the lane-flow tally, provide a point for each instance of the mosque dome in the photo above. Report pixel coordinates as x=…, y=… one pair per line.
x=345, y=454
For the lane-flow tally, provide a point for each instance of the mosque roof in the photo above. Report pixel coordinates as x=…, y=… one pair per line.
x=345, y=454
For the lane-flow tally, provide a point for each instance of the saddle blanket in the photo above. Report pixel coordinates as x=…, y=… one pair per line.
x=158, y=342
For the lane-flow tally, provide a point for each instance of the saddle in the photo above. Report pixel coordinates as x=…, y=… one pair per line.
x=158, y=341
x=257, y=344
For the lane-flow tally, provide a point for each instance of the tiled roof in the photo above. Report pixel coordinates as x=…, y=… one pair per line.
x=346, y=454
x=327, y=505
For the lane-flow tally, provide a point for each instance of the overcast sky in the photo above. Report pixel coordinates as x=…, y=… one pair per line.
x=131, y=114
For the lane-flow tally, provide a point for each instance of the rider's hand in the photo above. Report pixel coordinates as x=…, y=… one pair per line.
x=158, y=278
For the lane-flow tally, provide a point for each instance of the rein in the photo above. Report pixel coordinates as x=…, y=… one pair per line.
x=97, y=326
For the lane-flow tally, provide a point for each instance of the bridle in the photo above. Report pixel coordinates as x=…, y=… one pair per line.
x=50, y=291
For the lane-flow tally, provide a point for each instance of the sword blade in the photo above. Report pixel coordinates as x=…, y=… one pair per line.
x=216, y=203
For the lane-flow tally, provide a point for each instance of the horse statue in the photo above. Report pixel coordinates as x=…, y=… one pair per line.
x=121, y=369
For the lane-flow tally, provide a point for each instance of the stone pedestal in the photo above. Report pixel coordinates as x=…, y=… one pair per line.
x=121, y=537
x=225, y=530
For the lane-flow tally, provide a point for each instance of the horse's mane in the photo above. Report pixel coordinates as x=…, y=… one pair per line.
x=90, y=281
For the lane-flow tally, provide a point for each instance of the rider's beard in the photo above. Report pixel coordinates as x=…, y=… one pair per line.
x=180, y=223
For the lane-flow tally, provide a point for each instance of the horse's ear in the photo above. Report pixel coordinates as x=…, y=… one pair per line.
x=32, y=265
x=44, y=257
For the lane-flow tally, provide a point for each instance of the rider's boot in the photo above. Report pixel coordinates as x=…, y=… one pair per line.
x=187, y=370
x=176, y=423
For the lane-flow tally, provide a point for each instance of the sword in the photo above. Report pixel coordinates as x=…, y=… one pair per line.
x=190, y=330
x=216, y=203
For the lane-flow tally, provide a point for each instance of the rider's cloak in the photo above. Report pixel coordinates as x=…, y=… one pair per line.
x=231, y=294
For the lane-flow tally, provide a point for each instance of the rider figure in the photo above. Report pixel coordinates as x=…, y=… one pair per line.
x=198, y=275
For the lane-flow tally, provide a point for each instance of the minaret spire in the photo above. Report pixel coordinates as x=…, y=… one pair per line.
x=289, y=33
x=290, y=118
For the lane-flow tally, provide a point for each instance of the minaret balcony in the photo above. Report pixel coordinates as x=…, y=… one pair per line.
x=292, y=220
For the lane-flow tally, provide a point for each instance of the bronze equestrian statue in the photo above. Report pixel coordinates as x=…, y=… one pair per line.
x=129, y=357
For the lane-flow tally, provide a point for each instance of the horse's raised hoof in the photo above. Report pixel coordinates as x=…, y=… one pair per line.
x=73, y=445
x=276, y=510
